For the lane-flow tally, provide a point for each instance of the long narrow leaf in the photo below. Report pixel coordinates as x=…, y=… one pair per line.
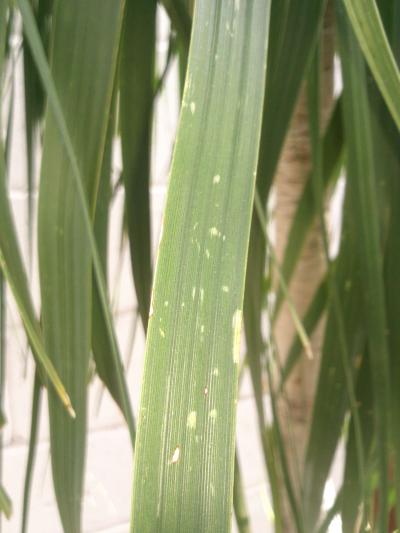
x=84, y=78
x=239, y=500
x=109, y=369
x=353, y=488
x=76, y=177
x=362, y=179
x=183, y=469
x=311, y=501
x=13, y=268
x=294, y=30
x=136, y=79
x=367, y=24
x=33, y=441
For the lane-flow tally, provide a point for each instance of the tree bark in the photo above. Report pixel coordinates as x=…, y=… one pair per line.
x=295, y=405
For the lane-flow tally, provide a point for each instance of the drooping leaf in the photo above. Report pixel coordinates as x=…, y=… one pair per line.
x=367, y=24
x=183, y=469
x=14, y=272
x=84, y=77
x=54, y=104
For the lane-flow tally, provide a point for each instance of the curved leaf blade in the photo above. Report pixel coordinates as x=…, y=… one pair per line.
x=367, y=24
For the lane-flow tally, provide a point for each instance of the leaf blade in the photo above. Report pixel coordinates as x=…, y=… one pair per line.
x=178, y=484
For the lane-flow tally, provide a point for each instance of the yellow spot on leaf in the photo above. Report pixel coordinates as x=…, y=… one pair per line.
x=237, y=329
x=213, y=414
x=192, y=420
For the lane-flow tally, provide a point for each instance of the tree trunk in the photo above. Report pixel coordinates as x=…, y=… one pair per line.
x=295, y=407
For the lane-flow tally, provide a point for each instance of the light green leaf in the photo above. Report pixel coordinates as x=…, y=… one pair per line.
x=183, y=469
x=5, y=503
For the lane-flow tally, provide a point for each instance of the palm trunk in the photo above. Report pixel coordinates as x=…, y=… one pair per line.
x=295, y=407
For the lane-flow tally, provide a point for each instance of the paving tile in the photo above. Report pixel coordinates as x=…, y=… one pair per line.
x=107, y=487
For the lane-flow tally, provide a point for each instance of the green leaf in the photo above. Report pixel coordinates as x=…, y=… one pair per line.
x=54, y=104
x=33, y=441
x=5, y=503
x=319, y=456
x=14, y=272
x=295, y=27
x=84, y=77
x=390, y=161
x=3, y=34
x=109, y=369
x=353, y=488
x=34, y=106
x=279, y=451
x=239, y=501
x=387, y=157
x=294, y=30
x=136, y=80
x=183, y=468
x=180, y=18
x=75, y=175
x=362, y=179
x=331, y=400
x=367, y=25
